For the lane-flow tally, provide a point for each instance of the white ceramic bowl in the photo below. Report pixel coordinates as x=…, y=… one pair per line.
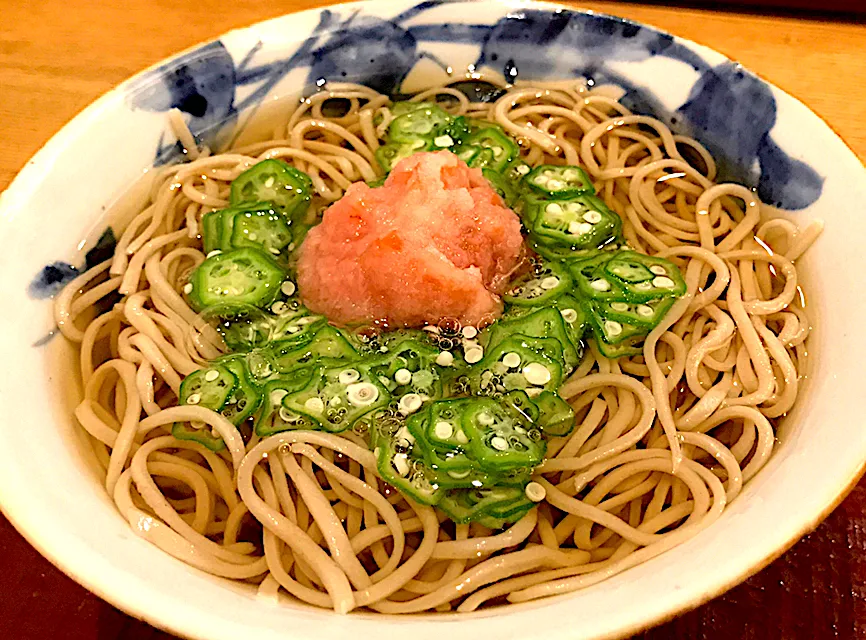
x=56, y=204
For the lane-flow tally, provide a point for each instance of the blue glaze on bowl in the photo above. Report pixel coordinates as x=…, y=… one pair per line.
x=729, y=110
x=51, y=280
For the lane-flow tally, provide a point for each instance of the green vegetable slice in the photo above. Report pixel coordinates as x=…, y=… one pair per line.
x=202, y=435
x=246, y=396
x=501, y=149
x=261, y=226
x=243, y=276
x=336, y=397
x=544, y=283
x=546, y=322
x=555, y=415
x=518, y=363
x=210, y=387
x=269, y=419
x=612, y=332
x=500, y=439
x=277, y=182
x=627, y=276
x=499, y=504
x=328, y=342
x=581, y=222
x=436, y=458
x=243, y=327
x=391, y=153
x=559, y=182
x=647, y=314
x=574, y=316
x=407, y=367
x=426, y=121
x=399, y=468
x=629, y=347
x=444, y=425
x=644, y=275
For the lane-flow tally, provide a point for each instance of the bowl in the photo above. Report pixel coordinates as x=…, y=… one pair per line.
x=764, y=137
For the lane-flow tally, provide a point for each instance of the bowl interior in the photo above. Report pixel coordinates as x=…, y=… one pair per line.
x=56, y=209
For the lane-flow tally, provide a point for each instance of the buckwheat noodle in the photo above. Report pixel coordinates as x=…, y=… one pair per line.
x=663, y=441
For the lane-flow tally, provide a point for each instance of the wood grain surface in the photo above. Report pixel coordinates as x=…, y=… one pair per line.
x=58, y=56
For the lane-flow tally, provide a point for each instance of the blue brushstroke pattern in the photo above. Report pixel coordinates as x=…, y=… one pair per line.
x=51, y=279
x=732, y=113
x=579, y=42
x=200, y=83
x=367, y=50
x=729, y=110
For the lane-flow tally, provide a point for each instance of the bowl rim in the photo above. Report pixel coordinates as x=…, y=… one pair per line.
x=173, y=620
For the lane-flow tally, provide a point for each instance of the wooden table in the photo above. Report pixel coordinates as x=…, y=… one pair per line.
x=57, y=56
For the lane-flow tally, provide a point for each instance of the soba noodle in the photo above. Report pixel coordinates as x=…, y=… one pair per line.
x=663, y=442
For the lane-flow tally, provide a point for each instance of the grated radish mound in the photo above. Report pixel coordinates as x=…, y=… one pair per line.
x=434, y=241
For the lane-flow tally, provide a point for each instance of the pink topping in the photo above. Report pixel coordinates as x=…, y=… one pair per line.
x=434, y=241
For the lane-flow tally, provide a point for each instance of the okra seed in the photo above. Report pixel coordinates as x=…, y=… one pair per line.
x=553, y=208
x=554, y=185
x=349, y=376
x=569, y=315
x=278, y=307
x=551, y=282
x=523, y=169
x=600, y=285
x=403, y=376
x=511, y=360
x=461, y=437
x=485, y=419
x=663, y=282
x=401, y=464
x=541, y=180
x=285, y=415
x=187, y=288
x=194, y=398
x=288, y=287
x=443, y=141
x=443, y=430
x=315, y=405
x=269, y=182
x=535, y=492
x=410, y=403
x=474, y=354
x=445, y=359
x=569, y=174
x=213, y=253
x=499, y=443
x=644, y=310
x=592, y=217
x=362, y=394
x=619, y=306
x=469, y=332
x=252, y=236
x=211, y=375
x=658, y=270
x=536, y=373
x=612, y=328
